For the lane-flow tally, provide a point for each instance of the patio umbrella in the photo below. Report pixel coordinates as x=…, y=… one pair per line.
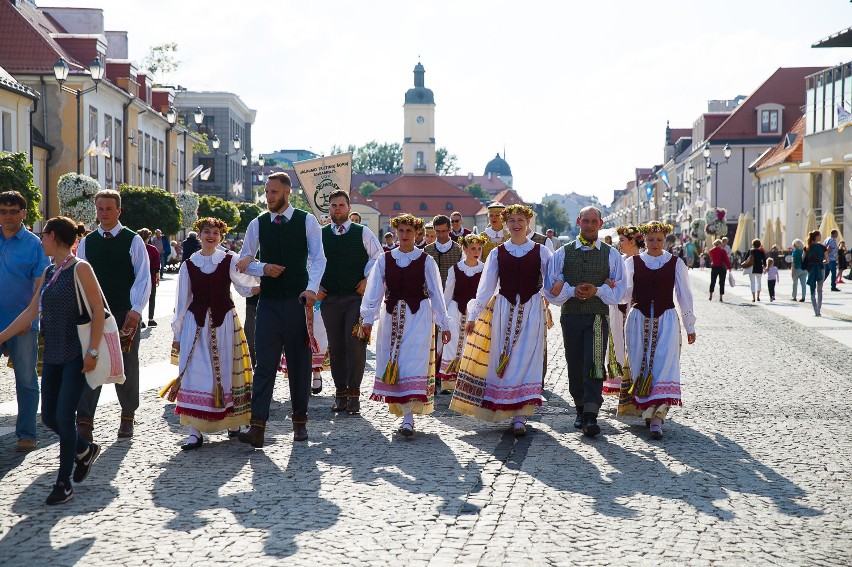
x=748, y=235
x=768, y=236
x=738, y=235
x=779, y=236
x=810, y=224
x=828, y=224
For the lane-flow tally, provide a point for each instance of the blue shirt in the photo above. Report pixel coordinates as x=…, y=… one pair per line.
x=22, y=262
x=831, y=244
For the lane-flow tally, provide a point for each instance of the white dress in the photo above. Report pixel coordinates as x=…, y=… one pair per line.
x=665, y=369
x=491, y=397
x=195, y=400
x=615, y=351
x=452, y=350
x=414, y=390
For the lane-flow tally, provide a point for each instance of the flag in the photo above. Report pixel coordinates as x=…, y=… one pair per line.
x=649, y=189
x=194, y=173
x=844, y=118
x=664, y=175
x=92, y=149
x=321, y=176
x=103, y=149
x=205, y=175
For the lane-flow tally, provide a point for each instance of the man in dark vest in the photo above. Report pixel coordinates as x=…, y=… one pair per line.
x=351, y=250
x=585, y=276
x=458, y=230
x=120, y=261
x=290, y=242
x=446, y=254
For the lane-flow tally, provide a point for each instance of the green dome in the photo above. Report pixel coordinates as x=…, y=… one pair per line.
x=498, y=167
x=419, y=94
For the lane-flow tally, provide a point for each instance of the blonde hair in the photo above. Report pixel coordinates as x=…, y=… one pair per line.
x=770, y=262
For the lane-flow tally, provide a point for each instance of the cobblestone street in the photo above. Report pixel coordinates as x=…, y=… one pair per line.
x=753, y=470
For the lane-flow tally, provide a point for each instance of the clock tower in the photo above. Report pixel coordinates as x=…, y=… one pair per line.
x=418, y=149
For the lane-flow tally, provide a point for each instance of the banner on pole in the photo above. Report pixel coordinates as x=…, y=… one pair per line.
x=649, y=190
x=320, y=177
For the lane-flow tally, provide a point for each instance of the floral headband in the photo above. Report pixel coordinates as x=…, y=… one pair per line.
x=469, y=239
x=409, y=219
x=212, y=222
x=656, y=226
x=517, y=210
x=630, y=232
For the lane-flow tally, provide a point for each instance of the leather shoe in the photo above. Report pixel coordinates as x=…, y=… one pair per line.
x=25, y=445
x=339, y=402
x=300, y=432
x=190, y=445
x=590, y=425
x=578, y=421
x=125, y=429
x=353, y=405
x=84, y=430
x=254, y=435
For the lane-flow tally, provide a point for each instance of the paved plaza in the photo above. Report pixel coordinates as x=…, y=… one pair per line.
x=753, y=470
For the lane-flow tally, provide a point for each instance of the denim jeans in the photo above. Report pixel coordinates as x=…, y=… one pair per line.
x=831, y=268
x=61, y=388
x=800, y=277
x=23, y=351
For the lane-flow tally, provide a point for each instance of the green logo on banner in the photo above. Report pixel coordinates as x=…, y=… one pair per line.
x=321, y=197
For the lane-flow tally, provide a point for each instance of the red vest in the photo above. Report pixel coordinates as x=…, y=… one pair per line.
x=653, y=287
x=210, y=292
x=405, y=284
x=465, y=289
x=519, y=276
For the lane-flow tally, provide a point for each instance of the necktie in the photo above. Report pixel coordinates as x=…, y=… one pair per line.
x=340, y=229
x=107, y=235
x=278, y=219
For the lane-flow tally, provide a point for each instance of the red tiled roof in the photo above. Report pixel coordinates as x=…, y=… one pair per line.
x=433, y=191
x=678, y=133
x=781, y=154
x=25, y=42
x=491, y=186
x=786, y=87
x=509, y=197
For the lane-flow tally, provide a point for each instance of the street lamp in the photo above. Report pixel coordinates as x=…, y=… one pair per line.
x=60, y=72
x=261, y=160
x=171, y=118
x=710, y=166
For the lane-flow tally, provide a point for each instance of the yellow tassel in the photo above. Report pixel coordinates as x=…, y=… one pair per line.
x=501, y=366
x=218, y=396
x=453, y=366
x=170, y=391
x=391, y=375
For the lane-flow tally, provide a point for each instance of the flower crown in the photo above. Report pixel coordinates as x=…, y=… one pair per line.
x=656, y=226
x=213, y=222
x=469, y=239
x=517, y=210
x=630, y=232
x=409, y=219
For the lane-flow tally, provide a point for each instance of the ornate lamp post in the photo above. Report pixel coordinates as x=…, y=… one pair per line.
x=710, y=166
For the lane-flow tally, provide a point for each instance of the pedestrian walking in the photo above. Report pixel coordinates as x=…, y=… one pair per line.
x=190, y=245
x=289, y=241
x=772, y=277
x=842, y=262
x=720, y=263
x=754, y=264
x=655, y=279
x=351, y=249
x=816, y=258
x=458, y=230
x=798, y=271
x=500, y=376
x=404, y=294
x=213, y=387
x=154, y=261
x=831, y=267
x=63, y=380
x=168, y=250
x=462, y=282
x=586, y=266
x=22, y=264
x=389, y=242
x=495, y=231
x=120, y=261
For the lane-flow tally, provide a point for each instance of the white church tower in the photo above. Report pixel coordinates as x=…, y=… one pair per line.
x=418, y=148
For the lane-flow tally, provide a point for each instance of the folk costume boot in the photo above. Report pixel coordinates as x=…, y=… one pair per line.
x=353, y=403
x=300, y=431
x=254, y=435
x=340, y=400
x=590, y=424
x=125, y=428
x=84, y=428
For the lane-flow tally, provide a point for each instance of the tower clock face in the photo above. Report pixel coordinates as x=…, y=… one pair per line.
x=420, y=120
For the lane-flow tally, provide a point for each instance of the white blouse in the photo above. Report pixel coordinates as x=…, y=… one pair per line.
x=450, y=286
x=683, y=293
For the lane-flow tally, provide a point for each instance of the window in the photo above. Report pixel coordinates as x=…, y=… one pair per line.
x=140, y=158
x=208, y=163
x=6, y=136
x=146, y=161
x=207, y=125
x=448, y=206
x=768, y=121
x=816, y=195
x=93, y=135
x=397, y=206
x=182, y=169
x=837, y=199
x=118, y=151
x=423, y=206
x=161, y=170
x=420, y=165
x=108, y=159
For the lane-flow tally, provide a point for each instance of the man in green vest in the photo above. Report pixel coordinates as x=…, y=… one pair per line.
x=350, y=249
x=290, y=242
x=120, y=261
x=585, y=276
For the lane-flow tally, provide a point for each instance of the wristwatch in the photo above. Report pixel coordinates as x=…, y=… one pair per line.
x=93, y=352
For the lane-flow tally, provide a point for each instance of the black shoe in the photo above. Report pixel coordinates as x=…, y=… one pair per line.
x=835, y=289
x=578, y=422
x=590, y=424
x=84, y=465
x=60, y=494
x=152, y=323
x=316, y=385
x=801, y=301
x=190, y=445
x=233, y=434
x=406, y=430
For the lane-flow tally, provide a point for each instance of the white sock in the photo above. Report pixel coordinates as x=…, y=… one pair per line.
x=519, y=420
x=317, y=375
x=195, y=432
x=408, y=419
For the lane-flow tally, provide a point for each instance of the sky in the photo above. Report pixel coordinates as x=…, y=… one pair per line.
x=578, y=93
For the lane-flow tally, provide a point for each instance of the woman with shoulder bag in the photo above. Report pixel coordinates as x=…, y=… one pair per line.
x=816, y=256
x=756, y=260
x=63, y=380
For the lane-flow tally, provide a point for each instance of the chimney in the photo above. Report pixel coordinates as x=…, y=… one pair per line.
x=470, y=176
x=489, y=175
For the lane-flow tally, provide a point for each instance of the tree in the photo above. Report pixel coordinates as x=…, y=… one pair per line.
x=477, y=191
x=149, y=207
x=248, y=212
x=161, y=61
x=366, y=189
x=445, y=162
x=16, y=174
x=373, y=157
x=553, y=216
x=217, y=207
x=299, y=202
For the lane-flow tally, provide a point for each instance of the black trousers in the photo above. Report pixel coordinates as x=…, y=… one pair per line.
x=280, y=325
x=720, y=272
x=152, y=300
x=348, y=354
x=127, y=393
x=248, y=328
x=578, y=335
x=771, y=284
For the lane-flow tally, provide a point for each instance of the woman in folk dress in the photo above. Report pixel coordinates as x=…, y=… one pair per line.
x=462, y=281
x=653, y=328
x=404, y=292
x=502, y=365
x=213, y=388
